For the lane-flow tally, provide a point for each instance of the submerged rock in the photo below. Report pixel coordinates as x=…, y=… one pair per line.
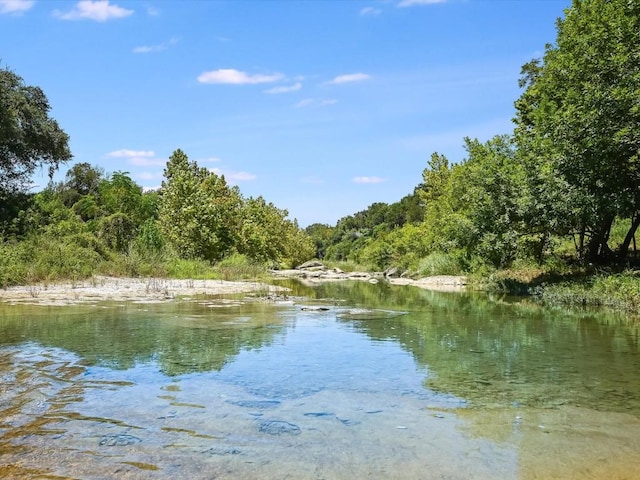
x=121, y=440
x=279, y=427
x=367, y=314
x=223, y=451
x=261, y=404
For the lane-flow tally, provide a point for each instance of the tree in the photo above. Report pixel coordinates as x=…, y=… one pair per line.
x=580, y=114
x=198, y=212
x=29, y=138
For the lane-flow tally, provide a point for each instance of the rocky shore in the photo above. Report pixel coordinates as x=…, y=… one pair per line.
x=141, y=290
x=152, y=290
x=314, y=272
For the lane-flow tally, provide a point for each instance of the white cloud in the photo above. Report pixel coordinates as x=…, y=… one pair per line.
x=234, y=177
x=371, y=180
x=208, y=160
x=15, y=6
x=152, y=11
x=315, y=102
x=370, y=11
x=124, y=153
x=412, y=3
x=156, y=48
x=349, y=78
x=98, y=10
x=285, y=89
x=240, y=176
x=235, y=77
x=139, y=158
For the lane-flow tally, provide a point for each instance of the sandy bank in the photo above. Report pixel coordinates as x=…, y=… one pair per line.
x=143, y=290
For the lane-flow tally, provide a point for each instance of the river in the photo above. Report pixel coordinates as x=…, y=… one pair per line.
x=341, y=381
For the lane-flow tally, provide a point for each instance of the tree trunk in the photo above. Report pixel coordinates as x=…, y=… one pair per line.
x=623, y=250
x=597, y=248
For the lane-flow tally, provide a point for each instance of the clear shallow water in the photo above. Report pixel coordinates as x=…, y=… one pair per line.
x=427, y=385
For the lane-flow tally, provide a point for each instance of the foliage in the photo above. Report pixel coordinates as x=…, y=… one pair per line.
x=199, y=213
x=437, y=263
x=29, y=138
x=579, y=114
x=239, y=267
x=266, y=235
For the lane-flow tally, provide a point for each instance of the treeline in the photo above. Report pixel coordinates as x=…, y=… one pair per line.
x=564, y=186
x=94, y=223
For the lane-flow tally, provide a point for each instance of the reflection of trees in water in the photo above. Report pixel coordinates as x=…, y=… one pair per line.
x=497, y=352
x=182, y=338
x=484, y=349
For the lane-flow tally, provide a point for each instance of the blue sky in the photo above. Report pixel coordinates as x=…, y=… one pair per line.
x=321, y=106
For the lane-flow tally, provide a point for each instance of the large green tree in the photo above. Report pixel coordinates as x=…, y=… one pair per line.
x=29, y=137
x=198, y=212
x=580, y=117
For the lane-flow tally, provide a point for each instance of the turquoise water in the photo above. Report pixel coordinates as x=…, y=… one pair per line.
x=382, y=382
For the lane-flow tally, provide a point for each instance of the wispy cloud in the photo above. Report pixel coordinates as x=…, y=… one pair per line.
x=413, y=3
x=349, y=78
x=15, y=6
x=315, y=102
x=139, y=158
x=230, y=76
x=97, y=10
x=234, y=177
x=285, y=89
x=124, y=153
x=156, y=48
x=372, y=180
x=370, y=11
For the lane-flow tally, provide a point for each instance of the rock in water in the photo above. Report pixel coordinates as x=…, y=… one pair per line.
x=279, y=427
x=121, y=440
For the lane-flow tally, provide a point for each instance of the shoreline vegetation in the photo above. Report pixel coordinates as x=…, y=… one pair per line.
x=578, y=288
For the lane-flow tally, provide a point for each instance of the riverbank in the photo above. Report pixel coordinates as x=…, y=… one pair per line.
x=141, y=290
x=315, y=272
x=153, y=290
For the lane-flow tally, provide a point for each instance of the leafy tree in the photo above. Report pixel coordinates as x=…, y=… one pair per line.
x=263, y=231
x=29, y=138
x=321, y=235
x=120, y=194
x=580, y=114
x=81, y=180
x=198, y=212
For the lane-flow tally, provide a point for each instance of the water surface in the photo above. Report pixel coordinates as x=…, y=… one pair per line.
x=383, y=382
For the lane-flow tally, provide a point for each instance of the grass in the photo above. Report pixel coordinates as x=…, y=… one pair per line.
x=43, y=259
